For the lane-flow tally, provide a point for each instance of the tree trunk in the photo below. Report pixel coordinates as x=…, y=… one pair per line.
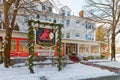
x=7, y=47
x=113, y=47
x=7, y=36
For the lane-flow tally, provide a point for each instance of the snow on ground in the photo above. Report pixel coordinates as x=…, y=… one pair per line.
x=115, y=64
x=70, y=72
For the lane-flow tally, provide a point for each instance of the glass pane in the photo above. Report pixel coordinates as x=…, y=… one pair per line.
x=13, y=45
x=83, y=48
x=23, y=45
x=94, y=49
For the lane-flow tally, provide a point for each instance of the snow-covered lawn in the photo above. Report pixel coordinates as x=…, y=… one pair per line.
x=70, y=72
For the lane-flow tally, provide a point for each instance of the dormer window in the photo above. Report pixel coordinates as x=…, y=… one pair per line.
x=68, y=13
x=63, y=12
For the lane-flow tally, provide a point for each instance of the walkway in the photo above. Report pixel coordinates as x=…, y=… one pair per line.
x=114, y=77
x=112, y=69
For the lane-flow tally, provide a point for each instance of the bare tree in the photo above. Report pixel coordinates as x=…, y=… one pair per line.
x=107, y=12
x=12, y=8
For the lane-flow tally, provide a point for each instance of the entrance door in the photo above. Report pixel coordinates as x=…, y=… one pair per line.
x=71, y=48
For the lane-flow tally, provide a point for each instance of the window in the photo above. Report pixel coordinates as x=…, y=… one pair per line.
x=83, y=48
x=38, y=16
x=63, y=12
x=50, y=9
x=62, y=22
x=26, y=18
x=68, y=22
x=43, y=7
x=77, y=35
x=68, y=13
x=67, y=35
x=50, y=20
x=62, y=35
x=94, y=49
x=23, y=45
x=77, y=21
x=46, y=19
x=88, y=37
x=31, y=4
x=10, y=17
x=13, y=45
x=89, y=25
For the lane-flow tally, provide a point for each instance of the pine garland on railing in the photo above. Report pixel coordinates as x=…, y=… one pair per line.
x=31, y=46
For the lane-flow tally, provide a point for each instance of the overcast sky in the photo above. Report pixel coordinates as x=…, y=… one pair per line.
x=74, y=5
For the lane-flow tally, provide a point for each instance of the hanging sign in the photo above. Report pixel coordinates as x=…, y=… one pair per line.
x=45, y=37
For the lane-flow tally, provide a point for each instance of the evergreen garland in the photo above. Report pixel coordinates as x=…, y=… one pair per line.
x=31, y=47
x=31, y=44
x=59, y=49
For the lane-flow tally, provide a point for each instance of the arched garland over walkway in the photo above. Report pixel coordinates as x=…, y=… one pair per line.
x=31, y=24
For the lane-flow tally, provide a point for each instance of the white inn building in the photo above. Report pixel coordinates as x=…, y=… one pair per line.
x=78, y=33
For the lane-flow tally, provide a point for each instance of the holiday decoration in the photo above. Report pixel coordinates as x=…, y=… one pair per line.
x=37, y=25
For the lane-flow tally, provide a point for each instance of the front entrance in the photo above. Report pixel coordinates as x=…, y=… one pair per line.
x=71, y=48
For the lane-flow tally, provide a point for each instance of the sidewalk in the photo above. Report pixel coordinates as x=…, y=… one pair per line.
x=114, y=77
x=112, y=69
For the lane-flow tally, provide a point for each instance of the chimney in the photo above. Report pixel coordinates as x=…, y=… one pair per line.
x=81, y=14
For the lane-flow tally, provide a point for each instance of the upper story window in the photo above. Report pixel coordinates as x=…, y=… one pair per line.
x=77, y=35
x=26, y=18
x=68, y=22
x=77, y=21
x=10, y=17
x=89, y=25
x=38, y=17
x=31, y=4
x=62, y=35
x=89, y=37
x=50, y=9
x=62, y=22
x=67, y=35
x=46, y=19
x=50, y=20
x=63, y=12
x=68, y=13
x=43, y=7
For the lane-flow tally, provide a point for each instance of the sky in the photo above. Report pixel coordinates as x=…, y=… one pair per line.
x=74, y=5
